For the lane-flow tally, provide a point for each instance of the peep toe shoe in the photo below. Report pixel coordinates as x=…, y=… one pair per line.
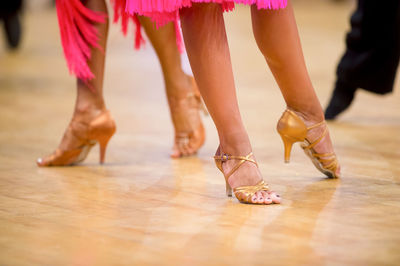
x=78, y=140
x=189, y=129
x=243, y=193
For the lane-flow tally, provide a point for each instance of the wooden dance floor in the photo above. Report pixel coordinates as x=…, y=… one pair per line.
x=143, y=208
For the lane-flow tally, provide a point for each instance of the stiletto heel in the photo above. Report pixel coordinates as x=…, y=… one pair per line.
x=244, y=193
x=102, y=129
x=103, y=146
x=84, y=137
x=288, y=144
x=228, y=189
x=292, y=129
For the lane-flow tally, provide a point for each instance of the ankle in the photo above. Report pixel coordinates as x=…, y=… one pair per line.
x=179, y=86
x=88, y=108
x=236, y=144
x=310, y=116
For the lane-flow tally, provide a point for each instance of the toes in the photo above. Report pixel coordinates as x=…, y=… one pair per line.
x=175, y=152
x=264, y=199
x=184, y=149
x=268, y=200
x=39, y=162
x=275, y=198
x=337, y=172
x=264, y=196
x=193, y=146
x=188, y=144
x=180, y=149
x=254, y=198
x=42, y=162
x=260, y=196
x=190, y=150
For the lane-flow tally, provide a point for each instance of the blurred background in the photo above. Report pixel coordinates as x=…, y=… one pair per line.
x=37, y=95
x=35, y=83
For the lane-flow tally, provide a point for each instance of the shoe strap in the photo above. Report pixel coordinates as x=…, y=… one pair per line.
x=329, y=159
x=252, y=189
x=330, y=154
x=316, y=125
x=243, y=159
x=78, y=130
x=332, y=166
x=245, y=193
x=311, y=145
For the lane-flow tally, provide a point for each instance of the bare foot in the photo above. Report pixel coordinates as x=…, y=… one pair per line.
x=185, y=113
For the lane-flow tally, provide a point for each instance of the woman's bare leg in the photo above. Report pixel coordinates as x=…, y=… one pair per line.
x=180, y=89
x=207, y=47
x=89, y=101
x=277, y=37
x=90, y=96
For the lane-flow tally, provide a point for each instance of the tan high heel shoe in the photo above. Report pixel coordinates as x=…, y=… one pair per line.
x=243, y=193
x=78, y=140
x=185, y=113
x=292, y=129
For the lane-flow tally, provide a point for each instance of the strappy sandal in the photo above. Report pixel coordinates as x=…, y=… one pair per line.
x=80, y=138
x=292, y=129
x=243, y=193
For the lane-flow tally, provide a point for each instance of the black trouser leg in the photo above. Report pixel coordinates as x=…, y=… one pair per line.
x=372, y=54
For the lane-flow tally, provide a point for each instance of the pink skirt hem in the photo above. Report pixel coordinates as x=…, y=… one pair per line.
x=164, y=11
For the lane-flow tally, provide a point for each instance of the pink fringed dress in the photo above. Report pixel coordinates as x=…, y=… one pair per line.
x=79, y=36
x=163, y=11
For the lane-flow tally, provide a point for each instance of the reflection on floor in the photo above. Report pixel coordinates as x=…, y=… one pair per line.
x=144, y=208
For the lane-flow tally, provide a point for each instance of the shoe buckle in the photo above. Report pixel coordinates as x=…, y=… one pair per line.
x=224, y=157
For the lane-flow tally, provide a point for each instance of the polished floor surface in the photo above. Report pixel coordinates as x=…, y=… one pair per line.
x=143, y=208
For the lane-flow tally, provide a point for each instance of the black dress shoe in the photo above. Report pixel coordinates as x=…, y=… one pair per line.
x=12, y=28
x=342, y=98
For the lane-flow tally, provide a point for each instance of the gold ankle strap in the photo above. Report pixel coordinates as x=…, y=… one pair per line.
x=316, y=125
x=243, y=159
x=312, y=144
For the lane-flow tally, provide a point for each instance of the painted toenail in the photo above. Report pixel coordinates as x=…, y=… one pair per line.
x=39, y=160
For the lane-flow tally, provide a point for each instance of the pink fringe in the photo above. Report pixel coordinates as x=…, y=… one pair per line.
x=119, y=13
x=163, y=11
x=78, y=35
x=179, y=39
